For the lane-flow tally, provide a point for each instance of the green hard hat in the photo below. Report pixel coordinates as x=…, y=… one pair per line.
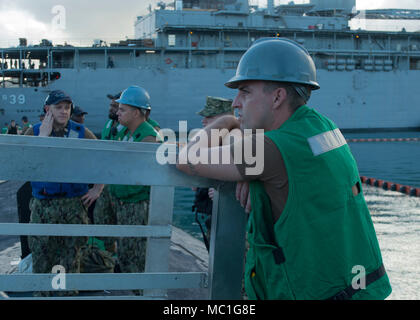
x=135, y=96
x=215, y=106
x=276, y=59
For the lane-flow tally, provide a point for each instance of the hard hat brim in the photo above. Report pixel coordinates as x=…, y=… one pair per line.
x=278, y=60
x=236, y=80
x=131, y=105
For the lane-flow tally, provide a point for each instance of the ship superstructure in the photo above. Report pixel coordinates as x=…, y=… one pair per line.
x=187, y=50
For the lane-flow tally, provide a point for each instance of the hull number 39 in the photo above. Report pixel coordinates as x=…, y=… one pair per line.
x=14, y=99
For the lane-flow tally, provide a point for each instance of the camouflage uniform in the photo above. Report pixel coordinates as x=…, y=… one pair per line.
x=50, y=251
x=126, y=205
x=58, y=203
x=132, y=251
x=110, y=210
x=95, y=259
x=104, y=214
x=215, y=106
x=98, y=254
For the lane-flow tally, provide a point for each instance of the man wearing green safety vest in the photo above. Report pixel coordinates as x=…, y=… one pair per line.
x=130, y=204
x=103, y=212
x=26, y=125
x=104, y=209
x=310, y=232
x=98, y=255
x=112, y=127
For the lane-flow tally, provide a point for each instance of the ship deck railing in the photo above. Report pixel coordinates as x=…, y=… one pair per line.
x=108, y=162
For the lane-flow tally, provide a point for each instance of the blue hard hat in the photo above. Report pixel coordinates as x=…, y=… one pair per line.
x=135, y=96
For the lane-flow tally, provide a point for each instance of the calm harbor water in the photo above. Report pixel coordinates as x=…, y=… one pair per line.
x=396, y=216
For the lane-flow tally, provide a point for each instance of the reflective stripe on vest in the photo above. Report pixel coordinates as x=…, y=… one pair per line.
x=323, y=231
x=326, y=141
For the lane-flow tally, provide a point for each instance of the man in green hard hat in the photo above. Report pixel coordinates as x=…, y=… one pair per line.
x=310, y=232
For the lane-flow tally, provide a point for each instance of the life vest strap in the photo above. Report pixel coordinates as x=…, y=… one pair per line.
x=347, y=293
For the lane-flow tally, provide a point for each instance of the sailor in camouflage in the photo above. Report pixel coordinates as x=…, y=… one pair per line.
x=132, y=251
x=98, y=255
x=216, y=106
x=104, y=214
x=126, y=204
x=95, y=258
x=105, y=208
x=132, y=202
x=50, y=251
x=59, y=203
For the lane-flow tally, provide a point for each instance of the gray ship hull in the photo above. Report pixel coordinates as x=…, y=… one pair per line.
x=356, y=100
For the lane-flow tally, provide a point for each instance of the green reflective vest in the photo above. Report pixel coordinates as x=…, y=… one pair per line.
x=26, y=127
x=92, y=241
x=107, y=133
x=128, y=193
x=325, y=234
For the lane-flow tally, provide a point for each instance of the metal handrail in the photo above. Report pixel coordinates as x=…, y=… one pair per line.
x=89, y=161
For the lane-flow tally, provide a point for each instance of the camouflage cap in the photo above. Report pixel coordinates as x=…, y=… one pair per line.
x=215, y=106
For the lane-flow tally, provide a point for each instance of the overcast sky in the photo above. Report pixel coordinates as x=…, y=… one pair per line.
x=104, y=19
